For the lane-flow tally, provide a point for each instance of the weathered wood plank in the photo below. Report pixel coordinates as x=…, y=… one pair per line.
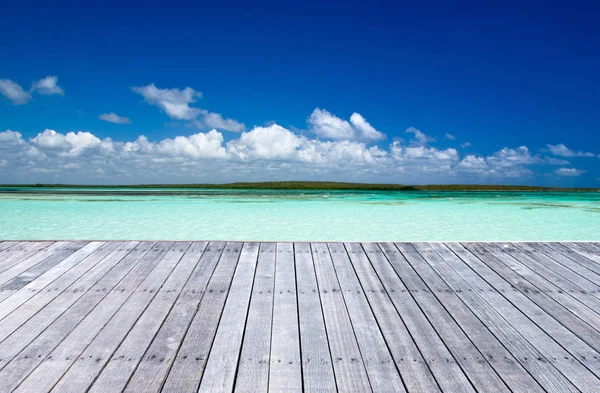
x=488, y=280
x=20, y=252
x=253, y=369
x=47, y=333
x=317, y=367
x=560, y=305
x=587, y=282
x=48, y=265
x=56, y=252
x=427, y=286
x=285, y=373
x=53, y=276
x=124, y=361
x=7, y=244
x=221, y=366
x=348, y=365
x=391, y=319
x=447, y=350
x=164, y=282
x=158, y=359
x=528, y=354
x=52, y=368
x=560, y=251
x=585, y=249
x=541, y=340
x=190, y=361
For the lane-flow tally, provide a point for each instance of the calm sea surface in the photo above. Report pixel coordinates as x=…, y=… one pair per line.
x=175, y=214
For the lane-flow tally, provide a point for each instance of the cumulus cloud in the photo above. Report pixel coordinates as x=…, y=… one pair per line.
x=48, y=86
x=175, y=102
x=572, y=172
x=114, y=118
x=563, y=151
x=14, y=92
x=419, y=137
x=215, y=120
x=258, y=154
x=328, y=126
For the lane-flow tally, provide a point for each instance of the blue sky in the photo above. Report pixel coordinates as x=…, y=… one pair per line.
x=416, y=92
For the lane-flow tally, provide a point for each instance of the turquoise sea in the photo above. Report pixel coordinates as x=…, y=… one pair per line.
x=178, y=214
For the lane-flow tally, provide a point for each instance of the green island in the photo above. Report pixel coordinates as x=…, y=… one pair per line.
x=319, y=185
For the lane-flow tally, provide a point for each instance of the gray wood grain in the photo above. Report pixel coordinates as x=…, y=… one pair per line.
x=144, y=309
x=348, y=365
x=75, y=306
x=52, y=368
x=221, y=366
x=426, y=285
x=190, y=361
x=154, y=367
x=510, y=321
x=253, y=369
x=317, y=367
x=125, y=359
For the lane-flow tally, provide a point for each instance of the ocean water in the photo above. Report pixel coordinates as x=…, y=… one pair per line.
x=179, y=214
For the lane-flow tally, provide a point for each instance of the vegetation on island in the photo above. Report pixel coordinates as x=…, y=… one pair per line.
x=318, y=185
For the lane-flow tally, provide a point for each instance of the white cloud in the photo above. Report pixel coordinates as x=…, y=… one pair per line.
x=563, y=151
x=72, y=144
x=14, y=92
x=420, y=137
x=328, y=126
x=572, y=172
x=47, y=86
x=175, y=102
x=465, y=145
x=450, y=137
x=114, y=118
x=200, y=145
x=215, y=120
x=364, y=129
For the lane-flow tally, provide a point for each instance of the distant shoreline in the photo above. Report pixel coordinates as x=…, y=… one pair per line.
x=306, y=185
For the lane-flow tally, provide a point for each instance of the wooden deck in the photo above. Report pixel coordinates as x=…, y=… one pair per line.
x=291, y=317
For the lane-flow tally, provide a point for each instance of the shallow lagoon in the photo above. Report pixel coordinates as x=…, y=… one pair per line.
x=183, y=214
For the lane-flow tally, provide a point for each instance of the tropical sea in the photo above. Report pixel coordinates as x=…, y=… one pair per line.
x=276, y=215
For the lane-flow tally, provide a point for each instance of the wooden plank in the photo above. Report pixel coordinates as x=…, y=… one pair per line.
x=317, y=367
x=36, y=286
x=285, y=373
x=130, y=320
x=69, y=351
x=221, y=366
x=253, y=370
x=20, y=252
x=454, y=360
x=587, y=282
x=348, y=365
x=443, y=307
x=540, y=339
x=529, y=356
x=583, y=249
x=190, y=361
x=552, y=327
x=559, y=250
x=115, y=375
x=550, y=275
x=49, y=264
x=394, y=316
x=58, y=250
x=116, y=267
x=560, y=305
x=7, y=244
x=17, y=314
x=380, y=366
x=158, y=359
